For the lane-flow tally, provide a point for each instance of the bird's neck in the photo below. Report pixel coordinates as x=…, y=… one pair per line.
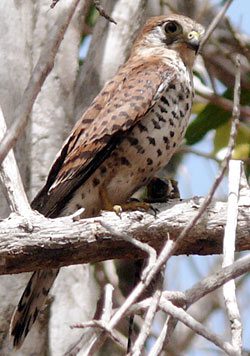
x=169, y=57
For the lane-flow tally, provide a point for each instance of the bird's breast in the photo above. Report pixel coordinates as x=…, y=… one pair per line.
x=145, y=149
x=151, y=143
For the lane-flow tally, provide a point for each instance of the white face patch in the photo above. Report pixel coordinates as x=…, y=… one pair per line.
x=157, y=36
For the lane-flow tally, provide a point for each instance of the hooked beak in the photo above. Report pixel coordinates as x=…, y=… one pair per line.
x=193, y=41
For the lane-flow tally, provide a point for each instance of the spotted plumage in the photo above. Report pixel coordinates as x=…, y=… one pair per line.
x=131, y=130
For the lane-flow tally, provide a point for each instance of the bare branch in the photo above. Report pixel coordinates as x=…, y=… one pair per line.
x=228, y=254
x=215, y=23
x=224, y=103
x=238, y=38
x=143, y=246
x=53, y=4
x=40, y=73
x=88, y=241
x=216, y=280
x=149, y=318
x=200, y=289
x=160, y=341
x=188, y=320
x=145, y=281
x=107, y=310
x=230, y=230
x=185, y=299
x=188, y=149
x=100, y=325
x=12, y=181
x=102, y=12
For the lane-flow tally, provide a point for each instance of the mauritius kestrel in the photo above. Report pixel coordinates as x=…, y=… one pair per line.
x=130, y=131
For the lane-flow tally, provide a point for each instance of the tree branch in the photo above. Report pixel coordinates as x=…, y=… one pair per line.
x=40, y=73
x=215, y=23
x=102, y=12
x=224, y=103
x=11, y=180
x=229, y=288
x=58, y=242
x=188, y=320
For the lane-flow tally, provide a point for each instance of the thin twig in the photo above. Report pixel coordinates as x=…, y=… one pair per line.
x=202, y=288
x=228, y=253
x=207, y=285
x=238, y=39
x=199, y=290
x=177, y=298
x=143, y=246
x=188, y=149
x=221, y=49
x=105, y=272
x=188, y=320
x=217, y=279
x=107, y=310
x=11, y=180
x=224, y=103
x=109, y=269
x=212, y=79
x=145, y=281
x=102, y=12
x=53, y=4
x=86, y=341
x=159, y=343
x=101, y=324
x=149, y=318
x=39, y=74
x=215, y=23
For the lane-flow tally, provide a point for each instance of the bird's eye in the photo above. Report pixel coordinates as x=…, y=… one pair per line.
x=172, y=28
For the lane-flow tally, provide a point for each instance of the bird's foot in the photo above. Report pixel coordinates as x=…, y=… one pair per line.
x=133, y=206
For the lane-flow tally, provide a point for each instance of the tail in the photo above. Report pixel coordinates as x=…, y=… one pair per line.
x=30, y=304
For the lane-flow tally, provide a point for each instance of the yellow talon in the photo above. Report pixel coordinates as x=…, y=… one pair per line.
x=117, y=209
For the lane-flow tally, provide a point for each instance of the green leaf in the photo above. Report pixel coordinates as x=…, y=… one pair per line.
x=242, y=147
x=241, y=151
x=212, y=117
x=221, y=137
x=92, y=16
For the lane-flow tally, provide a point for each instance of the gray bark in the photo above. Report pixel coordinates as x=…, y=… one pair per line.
x=24, y=28
x=15, y=69
x=52, y=118
x=104, y=238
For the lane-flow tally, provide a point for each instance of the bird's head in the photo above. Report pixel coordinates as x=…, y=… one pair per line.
x=175, y=32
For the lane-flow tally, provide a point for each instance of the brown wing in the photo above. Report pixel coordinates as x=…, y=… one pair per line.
x=118, y=107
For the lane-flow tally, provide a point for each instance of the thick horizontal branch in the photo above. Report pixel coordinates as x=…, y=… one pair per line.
x=39, y=243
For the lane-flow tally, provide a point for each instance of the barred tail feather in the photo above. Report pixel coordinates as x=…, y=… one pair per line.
x=30, y=304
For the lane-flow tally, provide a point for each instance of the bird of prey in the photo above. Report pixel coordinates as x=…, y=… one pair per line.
x=128, y=133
